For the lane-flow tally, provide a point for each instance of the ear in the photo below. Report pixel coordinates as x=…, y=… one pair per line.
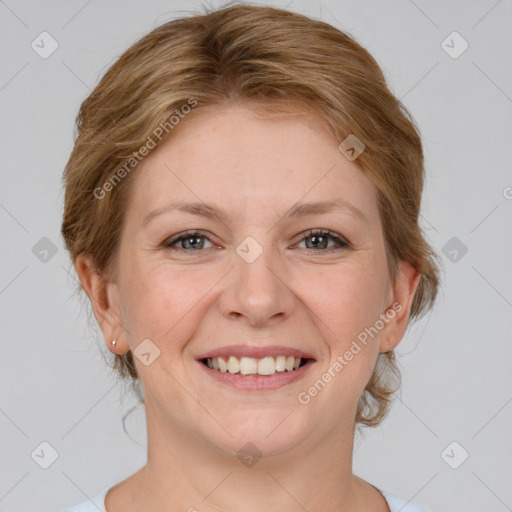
x=104, y=298
x=398, y=311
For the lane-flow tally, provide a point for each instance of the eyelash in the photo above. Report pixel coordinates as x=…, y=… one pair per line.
x=341, y=243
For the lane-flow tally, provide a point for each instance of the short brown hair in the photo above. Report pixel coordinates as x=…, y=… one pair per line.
x=268, y=59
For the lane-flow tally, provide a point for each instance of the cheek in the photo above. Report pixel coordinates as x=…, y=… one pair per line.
x=160, y=303
x=345, y=303
x=349, y=307
x=347, y=300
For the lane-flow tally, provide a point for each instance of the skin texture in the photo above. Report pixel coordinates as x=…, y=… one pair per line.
x=188, y=301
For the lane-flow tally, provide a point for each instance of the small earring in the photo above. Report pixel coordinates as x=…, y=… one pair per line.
x=113, y=342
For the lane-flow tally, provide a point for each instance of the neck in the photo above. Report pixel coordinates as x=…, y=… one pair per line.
x=185, y=473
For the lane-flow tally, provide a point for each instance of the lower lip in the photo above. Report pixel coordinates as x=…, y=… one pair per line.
x=258, y=382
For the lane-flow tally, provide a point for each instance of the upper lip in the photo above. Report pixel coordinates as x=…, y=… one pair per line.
x=256, y=352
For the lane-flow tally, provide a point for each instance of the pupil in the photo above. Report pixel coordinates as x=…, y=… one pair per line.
x=314, y=237
x=192, y=240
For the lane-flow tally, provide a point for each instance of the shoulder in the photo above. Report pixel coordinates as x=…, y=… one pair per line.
x=95, y=504
x=398, y=504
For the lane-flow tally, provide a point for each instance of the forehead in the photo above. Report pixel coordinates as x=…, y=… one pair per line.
x=233, y=157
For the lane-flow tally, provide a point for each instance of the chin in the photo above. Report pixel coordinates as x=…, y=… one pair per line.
x=256, y=436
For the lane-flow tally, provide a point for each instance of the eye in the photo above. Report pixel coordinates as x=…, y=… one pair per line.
x=190, y=241
x=320, y=240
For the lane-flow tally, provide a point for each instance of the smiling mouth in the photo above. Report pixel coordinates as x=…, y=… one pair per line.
x=254, y=366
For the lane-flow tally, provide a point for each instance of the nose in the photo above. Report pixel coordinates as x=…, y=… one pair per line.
x=257, y=291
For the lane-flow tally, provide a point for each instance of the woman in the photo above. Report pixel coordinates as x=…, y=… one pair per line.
x=242, y=208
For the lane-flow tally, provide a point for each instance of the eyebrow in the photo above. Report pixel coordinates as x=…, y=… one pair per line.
x=297, y=211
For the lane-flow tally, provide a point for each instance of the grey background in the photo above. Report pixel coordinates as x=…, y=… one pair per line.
x=456, y=379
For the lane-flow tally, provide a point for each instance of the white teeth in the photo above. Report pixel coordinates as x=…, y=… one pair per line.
x=280, y=363
x=233, y=364
x=223, y=366
x=248, y=366
x=252, y=366
x=267, y=366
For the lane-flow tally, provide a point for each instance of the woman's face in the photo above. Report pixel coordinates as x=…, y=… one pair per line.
x=253, y=283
